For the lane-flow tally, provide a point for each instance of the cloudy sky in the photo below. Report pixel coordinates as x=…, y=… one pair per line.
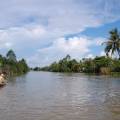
x=43, y=31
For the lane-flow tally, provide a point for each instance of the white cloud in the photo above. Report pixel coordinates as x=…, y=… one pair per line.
x=90, y=56
x=29, y=25
x=76, y=47
x=8, y=44
x=67, y=16
x=21, y=37
x=35, y=37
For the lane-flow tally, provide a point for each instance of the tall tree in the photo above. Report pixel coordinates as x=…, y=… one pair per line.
x=11, y=55
x=67, y=58
x=113, y=44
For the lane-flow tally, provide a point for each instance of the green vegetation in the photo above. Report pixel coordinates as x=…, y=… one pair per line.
x=101, y=65
x=11, y=66
x=64, y=65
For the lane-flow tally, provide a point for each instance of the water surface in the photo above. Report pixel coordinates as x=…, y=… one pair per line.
x=58, y=96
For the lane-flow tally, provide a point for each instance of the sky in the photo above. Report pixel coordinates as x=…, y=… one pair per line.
x=44, y=31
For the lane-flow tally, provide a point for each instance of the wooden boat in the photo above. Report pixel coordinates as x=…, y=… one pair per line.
x=3, y=84
x=2, y=80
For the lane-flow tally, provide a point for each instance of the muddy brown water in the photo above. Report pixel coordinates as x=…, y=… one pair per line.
x=58, y=96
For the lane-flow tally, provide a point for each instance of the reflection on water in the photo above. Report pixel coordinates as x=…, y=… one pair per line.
x=56, y=96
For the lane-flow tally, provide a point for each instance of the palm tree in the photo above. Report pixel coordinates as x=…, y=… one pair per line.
x=113, y=44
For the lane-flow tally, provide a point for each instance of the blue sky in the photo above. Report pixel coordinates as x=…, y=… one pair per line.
x=43, y=31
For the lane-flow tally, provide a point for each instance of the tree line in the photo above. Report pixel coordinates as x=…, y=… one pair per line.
x=99, y=64
x=102, y=65
x=11, y=66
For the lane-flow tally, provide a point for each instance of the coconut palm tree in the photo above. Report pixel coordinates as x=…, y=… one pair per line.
x=113, y=44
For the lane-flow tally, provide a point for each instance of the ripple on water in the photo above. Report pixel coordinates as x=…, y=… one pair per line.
x=55, y=96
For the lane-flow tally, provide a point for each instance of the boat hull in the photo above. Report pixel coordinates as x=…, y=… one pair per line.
x=3, y=84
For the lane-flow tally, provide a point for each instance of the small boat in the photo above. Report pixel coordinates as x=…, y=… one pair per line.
x=2, y=84
x=2, y=80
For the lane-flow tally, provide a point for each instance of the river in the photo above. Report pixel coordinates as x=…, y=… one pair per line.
x=58, y=96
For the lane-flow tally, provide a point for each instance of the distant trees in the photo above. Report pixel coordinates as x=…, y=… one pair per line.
x=36, y=69
x=22, y=65
x=64, y=65
x=101, y=65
